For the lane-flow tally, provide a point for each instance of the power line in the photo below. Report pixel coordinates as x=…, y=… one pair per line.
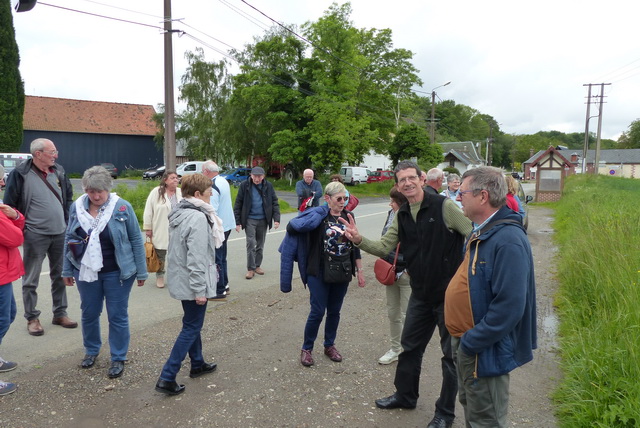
x=614, y=72
x=245, y=15
x=122, y=8
x=102, y=16
x=303, y=38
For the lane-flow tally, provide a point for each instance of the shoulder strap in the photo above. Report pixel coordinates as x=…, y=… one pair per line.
x=39, y=174
x=215, y=187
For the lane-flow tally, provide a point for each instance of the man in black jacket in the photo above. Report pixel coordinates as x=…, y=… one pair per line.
x=431, y=230
x=256, y=209
x=40, y=189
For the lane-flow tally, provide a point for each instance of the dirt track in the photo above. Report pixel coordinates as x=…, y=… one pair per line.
x=255, y=339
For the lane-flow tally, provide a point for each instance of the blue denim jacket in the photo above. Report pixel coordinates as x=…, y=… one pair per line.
x=125, y=235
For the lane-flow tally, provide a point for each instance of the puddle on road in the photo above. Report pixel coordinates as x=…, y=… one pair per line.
x=550, y=327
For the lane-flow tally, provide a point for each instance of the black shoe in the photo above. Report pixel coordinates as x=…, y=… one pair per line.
x=392, y=402
x=438, y=422
x=169, y=387
x=218, y=298
x=116, y=369
x=88, y=361
x=202, y=370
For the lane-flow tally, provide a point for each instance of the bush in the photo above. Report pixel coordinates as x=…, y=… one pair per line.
x=137, y=196
x=598, y=232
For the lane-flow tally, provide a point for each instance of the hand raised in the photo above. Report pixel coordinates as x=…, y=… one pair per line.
x=351, y=231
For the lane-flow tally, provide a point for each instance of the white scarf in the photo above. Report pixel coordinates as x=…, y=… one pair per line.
x=91, y=262
x=217, y=230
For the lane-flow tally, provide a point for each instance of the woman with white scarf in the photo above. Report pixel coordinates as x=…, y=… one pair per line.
x=110, y=259
x=195, y=231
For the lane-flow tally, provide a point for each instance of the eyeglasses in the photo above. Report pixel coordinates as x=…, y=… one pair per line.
x=409, y=178
x=462, y=192
x=341, y=198
x=51, y=152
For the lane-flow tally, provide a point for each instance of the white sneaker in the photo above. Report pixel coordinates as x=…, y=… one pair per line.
x=389, y=357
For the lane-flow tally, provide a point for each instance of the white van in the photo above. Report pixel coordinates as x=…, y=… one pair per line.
x=188, y=168
x=354, y=174
x=11, y=160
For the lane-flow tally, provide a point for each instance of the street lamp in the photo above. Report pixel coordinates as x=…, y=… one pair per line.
x=433, y=112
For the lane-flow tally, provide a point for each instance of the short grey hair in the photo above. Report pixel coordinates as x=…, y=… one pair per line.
x=490, y=179
x=435, y=174
x=96, y=178
x=38, y=144
x=334, y=188
x=453, y=177
x=210, y=166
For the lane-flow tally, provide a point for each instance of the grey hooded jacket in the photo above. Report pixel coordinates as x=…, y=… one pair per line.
x=191, y=268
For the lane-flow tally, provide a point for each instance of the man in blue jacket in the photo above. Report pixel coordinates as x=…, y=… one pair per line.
x=308, y=187
x=490, y=303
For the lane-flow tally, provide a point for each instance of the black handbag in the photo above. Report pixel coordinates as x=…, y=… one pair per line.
x=77, y=247
x=337, y=269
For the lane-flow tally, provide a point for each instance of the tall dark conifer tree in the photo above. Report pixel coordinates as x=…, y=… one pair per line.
x=11, y=85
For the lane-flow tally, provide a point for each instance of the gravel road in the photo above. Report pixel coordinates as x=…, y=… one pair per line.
x=255, y=338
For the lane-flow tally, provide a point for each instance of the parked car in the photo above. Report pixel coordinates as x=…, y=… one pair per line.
x=237, y=176
x=153, y=173
x=525, y=204
x=111, y=168
x=516, y=175
x=380, y=176
x=354, y=175
x=188, y=168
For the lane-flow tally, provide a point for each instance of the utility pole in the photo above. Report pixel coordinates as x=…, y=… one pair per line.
x=585, y=148
x=169, y=118
x=433, y=113
x=596, y=164
x=490, y=145
x=597, y=159
x=432, y=140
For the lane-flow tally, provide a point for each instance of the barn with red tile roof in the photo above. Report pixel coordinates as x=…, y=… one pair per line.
x=88, y=133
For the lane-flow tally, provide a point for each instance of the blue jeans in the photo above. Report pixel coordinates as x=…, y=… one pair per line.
x=221, y=262
x=7, y=308
x=187, y=342
x=323, y=298
x=110, y=289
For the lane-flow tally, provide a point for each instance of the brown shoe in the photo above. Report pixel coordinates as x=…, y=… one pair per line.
x=249, y=274
x=305, y=358
x=34, y=327
x=65, y=322
x=332, y=353
x=259, y=271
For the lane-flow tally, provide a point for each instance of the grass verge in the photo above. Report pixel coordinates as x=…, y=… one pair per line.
x=598, y=230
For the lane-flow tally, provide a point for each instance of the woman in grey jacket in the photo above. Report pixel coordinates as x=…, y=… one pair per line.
x=194, y=234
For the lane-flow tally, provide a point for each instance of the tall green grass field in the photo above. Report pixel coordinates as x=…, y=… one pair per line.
x=598, y=231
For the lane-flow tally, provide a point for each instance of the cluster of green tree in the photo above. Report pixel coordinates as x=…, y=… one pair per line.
x=631, y=138
x=318, y=100
x=11, y=85
x=330, y=97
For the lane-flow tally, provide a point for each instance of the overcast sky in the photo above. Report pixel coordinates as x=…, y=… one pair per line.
x=524, y=63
